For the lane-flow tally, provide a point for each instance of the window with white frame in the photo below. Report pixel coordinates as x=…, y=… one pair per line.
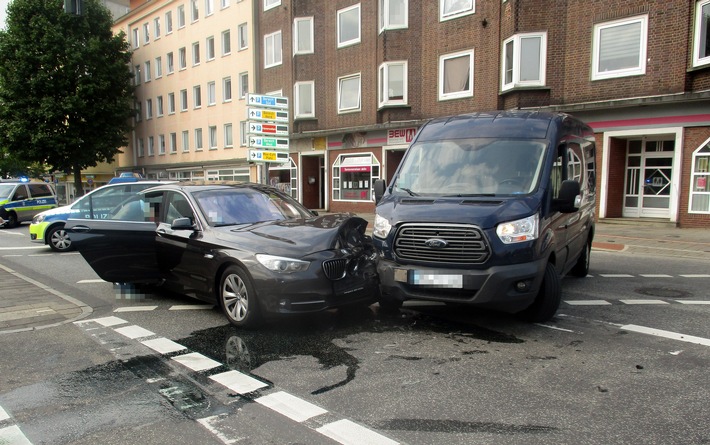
x=158, y=67
x=213, y=137
x=701, y=35
x=185, y=141
x=392, y=84
x=243, y=85
x=211, y=93
x=181, y=16
x=146, y=33
x=620, y=48
x=243, y=133
x=183, y=100
x=394, y=14
x=151, y=146
x=149, y=109
x=170, y=61
x=227, y=89
x=168, y=22
x=209, y=43
x=243, y=36
x=197, y=96
x=182, y=56
x=194, y=10
x=139, y=111
x=136, y=38
x=228, y=137
x=171, y=103
x=303, y=35
x=349, y=88
x=161, y=144
x=141, y=148
x=173, y=143
x=156, y=28
x=196, y=53
x=224, y=4
x=226, y=42
x=209, y=7
x=700, y=180
x=349, y=26
x=456, y=75
x=198, y=139
x=268, y=4
x=229, y=174
x=159, y=105
x=272, y=49
x=304, y=97
x=147, y=70
x=137, y=75
x=524, y=60
x=452, y=9
x=353, y=176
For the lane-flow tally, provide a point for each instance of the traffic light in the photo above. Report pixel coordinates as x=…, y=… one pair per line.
x=73, y=6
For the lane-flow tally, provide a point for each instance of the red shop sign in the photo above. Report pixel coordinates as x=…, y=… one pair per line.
x=355, y=169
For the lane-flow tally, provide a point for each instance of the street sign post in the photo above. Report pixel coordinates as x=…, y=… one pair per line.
x=267, y=142
x=267, y=156
x=267, y=129
x=263, y=101
x=264, y=114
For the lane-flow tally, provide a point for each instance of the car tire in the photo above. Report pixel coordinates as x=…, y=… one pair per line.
x=581, y=268
x=58, y=239
x=237, y=298
x=11, y=220
x=547, y=300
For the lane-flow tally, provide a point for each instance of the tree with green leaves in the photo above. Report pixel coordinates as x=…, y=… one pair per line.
x=66, y=97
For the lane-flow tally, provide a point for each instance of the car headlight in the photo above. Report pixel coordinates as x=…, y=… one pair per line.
x=518, y=231
x=38, y=219
x=382, y=227
x=282, y=264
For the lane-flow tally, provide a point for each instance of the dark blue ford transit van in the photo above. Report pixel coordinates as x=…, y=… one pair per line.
x=489, y=209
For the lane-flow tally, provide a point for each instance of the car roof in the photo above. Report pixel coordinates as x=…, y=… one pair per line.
x=191, y=186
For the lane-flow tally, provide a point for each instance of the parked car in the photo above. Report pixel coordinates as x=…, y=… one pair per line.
x=489, y=209
x=48, y=227
x=21, y=200
x=248, y=247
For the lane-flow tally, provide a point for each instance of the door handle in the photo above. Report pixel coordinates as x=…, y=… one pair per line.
x=80, y=229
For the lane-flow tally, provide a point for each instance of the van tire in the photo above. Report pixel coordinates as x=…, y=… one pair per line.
x=548, y=298
x=581, y=268
x=12, y=220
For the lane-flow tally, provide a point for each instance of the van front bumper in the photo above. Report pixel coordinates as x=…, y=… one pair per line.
x=509, y=288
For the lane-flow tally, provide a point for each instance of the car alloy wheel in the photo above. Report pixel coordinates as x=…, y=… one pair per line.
x=59, y=239
x=238, y=299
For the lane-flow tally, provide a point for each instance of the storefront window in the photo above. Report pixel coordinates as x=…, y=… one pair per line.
x=229, y=174
x=187, y=175
x=284, y=177
x=353, y=176
x=700, y=180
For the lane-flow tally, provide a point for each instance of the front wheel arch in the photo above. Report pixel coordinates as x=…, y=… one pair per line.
x=238, y=299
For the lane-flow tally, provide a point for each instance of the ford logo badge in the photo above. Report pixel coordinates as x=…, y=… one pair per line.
x=436, y=243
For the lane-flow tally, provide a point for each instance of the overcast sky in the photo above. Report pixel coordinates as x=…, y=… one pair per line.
x=3, y=8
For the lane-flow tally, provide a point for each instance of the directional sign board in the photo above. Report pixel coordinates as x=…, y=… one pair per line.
x=262, y=101
x=267, y=129
x=267, y=156
x=262, y=114
x=269, y=143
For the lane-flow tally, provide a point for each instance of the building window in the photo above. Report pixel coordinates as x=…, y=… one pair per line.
x=393, y=14
x=393, y=84
x=196, y=53
x=268, y=4
x=228, y=137
x=159, y=104
x=181, y=16
x=349, y=93
x=173, y=143
x=210, y=48
x=136, y=38
x=161, y=144
x=139, y=111
x=141, y=148
x=149, y=109
x=224, y=4
x=349, y=26
x=524, y=60
x=451, y=9
x=185, y=141
x=243, y=133
x=456, y=75
x=171, y=103
x=272, y=49
x=158, y=67
x=197, y=96
x=147, y=71
x=226, y=42
x=171, y=63
x=137, y=75
x=213, y=137
x=146, y=33
x=211, y=93
x=303, y=35
x=209, y=7
x=700, y=180
x=156, y=27
x=243, y=36
x=620, y=48
x=353, y=176
x=243, y=85
x=194, y=10
x=701, y=36
x=168, y=22
x=227, y=89
x=304, y=94
x=151, y=146
x=182, y=55
x=198, y=139
x=183, y=100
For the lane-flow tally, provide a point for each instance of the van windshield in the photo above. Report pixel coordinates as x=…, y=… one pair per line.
x=471, y=167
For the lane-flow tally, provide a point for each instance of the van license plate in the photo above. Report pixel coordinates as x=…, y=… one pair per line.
x=437, y=280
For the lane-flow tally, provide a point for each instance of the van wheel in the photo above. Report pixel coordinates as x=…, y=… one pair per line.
x=58, y=239
x=238, y=298
x=11, y=220
x=581, y=268
x=548, y=298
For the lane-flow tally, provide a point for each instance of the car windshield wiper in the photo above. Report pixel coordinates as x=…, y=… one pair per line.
x=411, y=193
x=471, y=195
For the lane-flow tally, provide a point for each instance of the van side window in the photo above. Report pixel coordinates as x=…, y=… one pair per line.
x=20, y=193
x=574, y=163
x=556, y=176
x=40, y=190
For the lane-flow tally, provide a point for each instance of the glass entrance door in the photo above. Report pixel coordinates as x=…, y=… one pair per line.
x=649, y=169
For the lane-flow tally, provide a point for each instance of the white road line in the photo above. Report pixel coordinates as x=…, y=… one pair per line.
x=615, y=275
x=693, y=301
x=555, y=328
x=133, y=332
x=291, y=406
x=699, y=275
x=187, y=307
x=655, y=275
x=3, y=414
x=22, y=248
x=587, y=302
x=106, y=321
x=12, y=435
x=90, y=281
x=238, y=382
x=350, y=433
x=667, y=334
x=135, y=308
x=208, y=422
x=644, y=302
x=14, y=233
x=197, y=361
x=164, y=345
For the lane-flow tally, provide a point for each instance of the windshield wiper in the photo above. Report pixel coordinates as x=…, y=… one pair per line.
x=411, y=193
x=471, y=195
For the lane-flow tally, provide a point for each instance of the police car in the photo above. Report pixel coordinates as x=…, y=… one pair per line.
x=21, y=200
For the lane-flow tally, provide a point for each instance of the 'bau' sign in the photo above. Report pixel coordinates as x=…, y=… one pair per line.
x=400, y=136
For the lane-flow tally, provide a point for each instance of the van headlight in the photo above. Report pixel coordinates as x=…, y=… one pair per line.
x=382, y=227
x=518, y=231
x=282, y=264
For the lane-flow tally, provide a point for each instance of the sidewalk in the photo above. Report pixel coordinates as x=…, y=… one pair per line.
x=26, y=304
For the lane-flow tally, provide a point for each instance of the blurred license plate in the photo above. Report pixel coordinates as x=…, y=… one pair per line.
x=437, y=280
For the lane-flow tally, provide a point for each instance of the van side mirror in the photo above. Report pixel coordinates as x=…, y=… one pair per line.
x=569, y=198
x=379, y=187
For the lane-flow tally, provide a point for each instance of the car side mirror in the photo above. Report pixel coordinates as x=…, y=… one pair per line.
x=379, y=187
x=314, y=212
x=182, y=224
x=569, y=198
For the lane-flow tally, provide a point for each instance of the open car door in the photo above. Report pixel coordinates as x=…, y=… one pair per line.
x=121, y=248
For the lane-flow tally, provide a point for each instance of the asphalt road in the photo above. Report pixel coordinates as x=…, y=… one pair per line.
x=625, y=361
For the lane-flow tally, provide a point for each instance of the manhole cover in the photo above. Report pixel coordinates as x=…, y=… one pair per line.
x=663, y=292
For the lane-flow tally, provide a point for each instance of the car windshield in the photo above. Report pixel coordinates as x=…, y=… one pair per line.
x=232, y=206
x=5, y=190
x=471, y=167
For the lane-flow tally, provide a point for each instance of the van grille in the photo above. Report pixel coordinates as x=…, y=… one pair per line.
x=335, y=269
x=462, y=244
